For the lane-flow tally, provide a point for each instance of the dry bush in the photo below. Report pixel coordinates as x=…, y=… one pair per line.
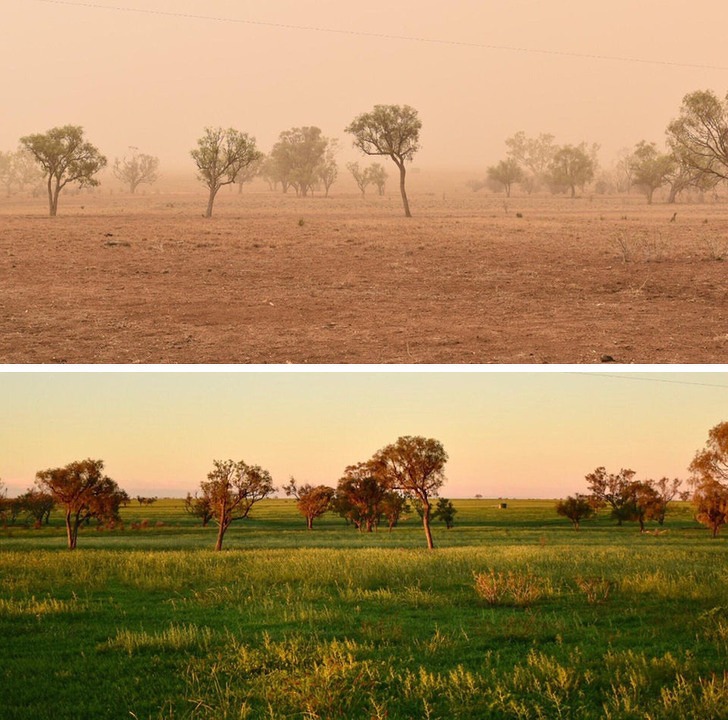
x=511, y=588
x=596, y=589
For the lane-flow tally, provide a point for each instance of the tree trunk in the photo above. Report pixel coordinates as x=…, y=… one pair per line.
x=52, y=197
x=402, y=173
x=221, y=527
x=211, y=201
x=220, y=534
x=71, y=531
x=573, y=191
x=426, y=520
x=672, y=197
x=309, y=522
x=650, y=193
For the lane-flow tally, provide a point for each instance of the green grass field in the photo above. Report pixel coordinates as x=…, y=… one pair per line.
x=286, y=623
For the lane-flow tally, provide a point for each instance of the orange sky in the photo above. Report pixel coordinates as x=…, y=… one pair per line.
x=512, y=434
x=155, y=81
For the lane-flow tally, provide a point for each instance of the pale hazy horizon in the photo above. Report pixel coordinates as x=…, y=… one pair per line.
x=154, y=81
x=508, y=434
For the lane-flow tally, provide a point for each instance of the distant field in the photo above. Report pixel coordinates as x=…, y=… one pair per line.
x=471, y=278
x=332, y=623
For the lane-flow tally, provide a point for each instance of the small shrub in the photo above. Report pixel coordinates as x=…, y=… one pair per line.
x=596, y=589
x=511, y=588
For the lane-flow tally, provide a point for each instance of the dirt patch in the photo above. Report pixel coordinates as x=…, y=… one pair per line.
x=274, y=279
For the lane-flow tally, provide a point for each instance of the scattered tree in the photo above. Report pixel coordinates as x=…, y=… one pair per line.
x=699, y=136
x=650, y=168
x=711, y=463
x=393, y=506
x=329, y=170
x=137, y=169
x=231, y=490
x=312, y=501
x=389, y=130
x=220, y=156
x=506, y=173
x=666, y=491
x=298, y=157
x=250, y=172
x=572, y=167
x=377, y=176
x=534, y=154
x=360, y=494
x=446, y=512
x=84, y=492
x=576, y=508
x=38, y=505
x=711, y=505
x=611, y=489
x=199, y=507
x=146, y=500
x=361, y=177
x=414, y=465
x=64, y=157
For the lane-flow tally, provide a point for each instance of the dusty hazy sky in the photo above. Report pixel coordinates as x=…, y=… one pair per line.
x=154, y=81
x=522, y=434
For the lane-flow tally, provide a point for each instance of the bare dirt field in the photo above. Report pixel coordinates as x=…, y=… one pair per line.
x=470, y=278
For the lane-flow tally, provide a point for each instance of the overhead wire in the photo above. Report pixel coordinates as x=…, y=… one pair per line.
x=385, y=36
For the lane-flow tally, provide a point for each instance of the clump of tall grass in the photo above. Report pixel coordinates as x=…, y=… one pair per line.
x=34, y=607
x=174, y=638
x=510, y=588
x=596, y=589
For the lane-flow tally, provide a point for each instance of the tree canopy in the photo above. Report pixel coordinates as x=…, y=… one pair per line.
x=64, y=157
x=221, y=155
x=84, y=492
x=231, y=490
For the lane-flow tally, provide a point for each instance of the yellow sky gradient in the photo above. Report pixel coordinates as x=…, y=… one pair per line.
x=510, y=434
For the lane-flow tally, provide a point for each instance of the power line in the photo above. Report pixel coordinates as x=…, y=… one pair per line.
x=650, y=379
x=386, y=36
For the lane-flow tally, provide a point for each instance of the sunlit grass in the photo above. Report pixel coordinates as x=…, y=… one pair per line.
x=287, y=623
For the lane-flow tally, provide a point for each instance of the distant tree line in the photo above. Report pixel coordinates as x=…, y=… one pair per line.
x=402, y=476
x=643, y=501
x=695, y=157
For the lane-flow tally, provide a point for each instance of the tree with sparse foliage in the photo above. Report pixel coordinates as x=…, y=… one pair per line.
x=84, y=492
x=699, y=136
x=414, y=465
x=221, y=155
x=389, y=130
x=328, y=169
x=361, y=176
x=445, y=511
x=666, y=490
x=136, y=169
x=146, y=500
x=64, y=157
x=533, y=154
x=711, y=463
x=506, y=173
x=312, y=501
x=576, y=508
x=231, y=490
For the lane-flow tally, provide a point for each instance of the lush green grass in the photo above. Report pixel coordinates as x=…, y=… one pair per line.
x=332, y=623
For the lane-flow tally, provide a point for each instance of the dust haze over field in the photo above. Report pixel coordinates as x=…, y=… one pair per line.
x=154, y=79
